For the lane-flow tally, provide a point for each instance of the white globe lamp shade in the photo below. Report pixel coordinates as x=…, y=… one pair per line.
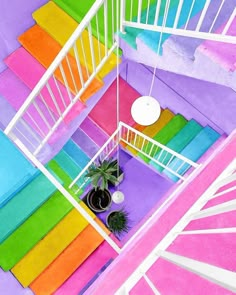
x=145, y=110
x=118, y=197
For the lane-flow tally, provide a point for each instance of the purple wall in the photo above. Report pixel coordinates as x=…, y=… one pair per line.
x=15, y=18
x=208, y=103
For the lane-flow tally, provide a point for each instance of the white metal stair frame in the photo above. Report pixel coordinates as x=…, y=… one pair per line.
x=43, y=83
x=217, y=275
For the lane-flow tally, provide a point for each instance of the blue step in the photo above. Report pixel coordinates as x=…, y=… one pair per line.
x=178, y=143
x=85, y=143
x=151, y=38
x=67, y=164
x=73, y=150
x=193, y=151
x=24, y=203
x=15, y=170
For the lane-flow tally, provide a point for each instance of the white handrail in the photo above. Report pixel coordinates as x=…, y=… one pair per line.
x=191, y=265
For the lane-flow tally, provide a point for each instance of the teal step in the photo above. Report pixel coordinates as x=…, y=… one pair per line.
x=25, y=202
x=13, y=177
x=37, y=226
x=193, y=151
x=165, y=135
x=67, y=164
x=151, y=38
x=178, y=143
x=73, y=150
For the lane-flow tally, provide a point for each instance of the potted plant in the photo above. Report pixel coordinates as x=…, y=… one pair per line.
x=101, y=174
x=117, y=221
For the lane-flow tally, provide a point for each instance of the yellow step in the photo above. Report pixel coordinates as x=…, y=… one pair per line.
x=47, y=250
x=60, y=26
x=152, y=130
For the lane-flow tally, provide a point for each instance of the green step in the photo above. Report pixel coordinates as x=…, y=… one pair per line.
x=78, y=9
x=178, y=143
x=67, y=164
x=36, y=226
x=24, y=203
x=165, y=135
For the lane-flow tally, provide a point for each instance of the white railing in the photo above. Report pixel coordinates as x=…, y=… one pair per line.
x=203, y=19
x=64, y=84
x=224, y=184
x=158, y=154
x=106, y=151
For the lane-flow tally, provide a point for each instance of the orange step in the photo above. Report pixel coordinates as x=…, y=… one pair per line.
x=68, y=261
x=44, y=48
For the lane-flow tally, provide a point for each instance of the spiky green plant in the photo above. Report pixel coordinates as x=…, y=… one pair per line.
x=102, y=173
x=118, y=221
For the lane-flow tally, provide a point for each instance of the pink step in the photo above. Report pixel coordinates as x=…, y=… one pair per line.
x=16, y=92
x=224, y=198
x=104, y=113
x=141, y=287
x=208, y=249
x=174, y=280
x=29, y=70
x=221, y=53
x=218, y=221
x=87, y=270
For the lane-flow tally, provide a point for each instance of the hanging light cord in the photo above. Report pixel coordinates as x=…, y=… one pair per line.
x=159, y=44
x=117, y=89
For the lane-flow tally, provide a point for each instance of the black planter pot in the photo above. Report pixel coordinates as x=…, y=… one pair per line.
x=99, y=200
x=120, y=178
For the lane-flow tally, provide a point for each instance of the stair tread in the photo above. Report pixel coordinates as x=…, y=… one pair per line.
x=151, y=38
x=223, y=53
x=44, y=48
x=85, y=142
x=46, y=250
x=87, y=270
x=66, y=263
x=172, y=279
x=151, y=130
x=60, y=26
x=67, y=164
x=16, y=92
x=165, y=134
x=32, y=196
x=209, y=246
x=29, y=70
x=10, y=286
x=178, y=142
x=107, y=120
x=76, y=153
x=15, y=176
x=94, y=132
x=78, y=11
x=194, y=150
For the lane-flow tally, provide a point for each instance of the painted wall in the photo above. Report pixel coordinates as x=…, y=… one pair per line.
x=208, y=103
x=15, y=18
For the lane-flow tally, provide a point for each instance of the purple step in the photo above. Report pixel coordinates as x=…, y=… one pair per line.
x=171, y=279
x=7, y=112
x=186, y=46
x=10, y=286
x=85, y=142
x=17, y=19
x=94, y=131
